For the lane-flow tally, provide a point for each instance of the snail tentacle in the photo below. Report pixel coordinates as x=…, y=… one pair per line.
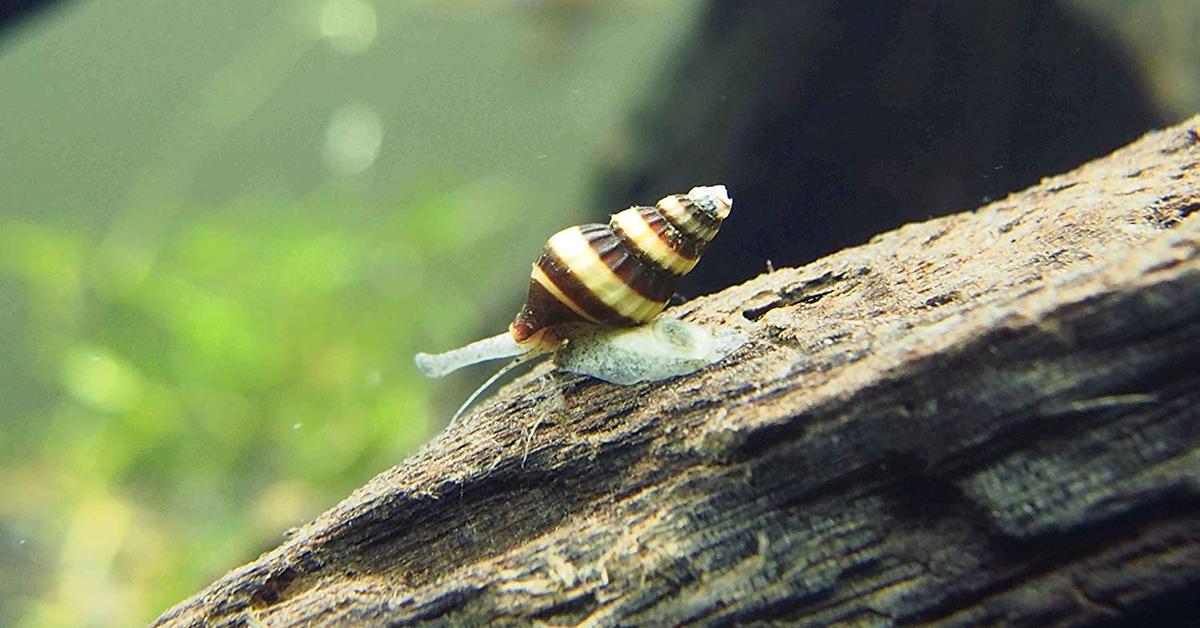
x=494, y=348
x=517, y=361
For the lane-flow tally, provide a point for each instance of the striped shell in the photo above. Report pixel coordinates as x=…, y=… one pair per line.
x=623, y=273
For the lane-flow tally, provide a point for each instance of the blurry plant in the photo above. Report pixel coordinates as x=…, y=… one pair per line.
x=250, y=375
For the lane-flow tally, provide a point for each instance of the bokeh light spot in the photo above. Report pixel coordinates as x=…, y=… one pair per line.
x=100, y=380
x=352, y=139
x=349, y=26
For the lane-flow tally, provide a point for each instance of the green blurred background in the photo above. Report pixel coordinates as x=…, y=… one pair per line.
x=225, y=227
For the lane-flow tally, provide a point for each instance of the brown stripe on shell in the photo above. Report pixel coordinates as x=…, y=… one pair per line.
x=566, y=281
x=679, y=240
x=637, y=271
x=541, y=310
x=688, y=209
x=709, y=221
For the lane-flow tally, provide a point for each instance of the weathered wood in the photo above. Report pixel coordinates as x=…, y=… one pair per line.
x=989, y=417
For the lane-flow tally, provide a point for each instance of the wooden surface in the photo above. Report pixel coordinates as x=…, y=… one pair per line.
x=993, y=416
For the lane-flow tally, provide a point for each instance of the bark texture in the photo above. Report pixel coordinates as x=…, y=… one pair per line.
x=988, y=417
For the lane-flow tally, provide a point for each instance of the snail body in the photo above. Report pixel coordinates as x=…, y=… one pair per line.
x=597, y=277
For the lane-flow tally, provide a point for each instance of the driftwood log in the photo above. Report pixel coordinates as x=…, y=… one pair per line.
x=992, y=417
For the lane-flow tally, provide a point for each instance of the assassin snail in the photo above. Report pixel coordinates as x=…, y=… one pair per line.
x=593, y=282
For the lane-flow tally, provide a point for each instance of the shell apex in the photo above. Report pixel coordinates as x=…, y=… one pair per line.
x=716, y=197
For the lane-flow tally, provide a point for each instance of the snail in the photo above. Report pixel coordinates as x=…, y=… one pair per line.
x=595, y=295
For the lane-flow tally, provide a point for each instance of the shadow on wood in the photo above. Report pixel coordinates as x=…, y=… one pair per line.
x=988, y=417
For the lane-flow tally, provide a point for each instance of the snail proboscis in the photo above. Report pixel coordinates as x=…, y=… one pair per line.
x=596, y=286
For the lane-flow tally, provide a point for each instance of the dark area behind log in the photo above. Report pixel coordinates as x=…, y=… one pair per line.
x=830, y=121
x=14, y=12
x=988, y=417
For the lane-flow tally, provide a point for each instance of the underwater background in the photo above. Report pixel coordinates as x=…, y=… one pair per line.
x=225, y=227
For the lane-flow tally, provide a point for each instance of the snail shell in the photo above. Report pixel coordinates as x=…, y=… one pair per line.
x=620, y=274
